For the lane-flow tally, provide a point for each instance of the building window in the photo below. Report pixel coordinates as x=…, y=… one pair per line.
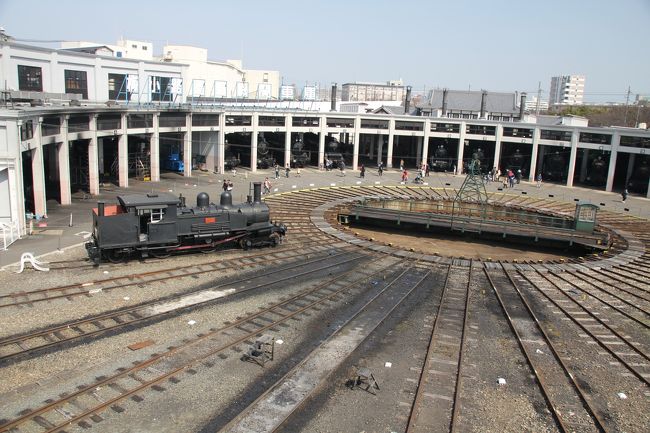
x=161, y=89
x=266, y=77
x=119, y=54
x=144, y=48
x=117, y=89
x=76, y=82
x=30, y=78
x=134, y=46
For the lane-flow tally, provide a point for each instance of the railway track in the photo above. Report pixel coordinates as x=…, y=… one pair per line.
x=580, y=324
x=88, y=288
x=89, y=401
x=126, y=318
x=435, y=406
x=566, y=398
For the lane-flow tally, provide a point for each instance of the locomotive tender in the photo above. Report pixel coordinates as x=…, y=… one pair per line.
x=160, y=224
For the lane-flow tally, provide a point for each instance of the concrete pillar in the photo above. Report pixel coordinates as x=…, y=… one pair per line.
x=497, y=146
x=355, y=149
x=93, y=158
x=187, y=146
x=461, y=148
x=38, y=172
x=123, y=154
x=583, y=165
x=616, y=142
x=254, y=120
x=221, y=144
x=533, y=157
x=63, y=154
x=572, y=159
x=425, y=141
x=391, y=138
x=287, y=140
x=154, y=149
x=380, y=148
x=321, y=142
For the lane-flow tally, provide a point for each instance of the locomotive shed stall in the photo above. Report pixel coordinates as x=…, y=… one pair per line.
x=218, y=390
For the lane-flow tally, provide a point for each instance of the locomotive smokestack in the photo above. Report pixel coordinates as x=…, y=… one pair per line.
x=333, y=103
x=407, y=101
x=444, y=102
x=100, y=208
x=181, y=200
x=483, y=101
x=522, y=106
x=257, y=192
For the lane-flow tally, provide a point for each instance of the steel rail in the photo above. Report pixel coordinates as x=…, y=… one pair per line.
x=138, y=318
x=237, y=324
x=557, y=414
x=601, y=343
x=133, y=279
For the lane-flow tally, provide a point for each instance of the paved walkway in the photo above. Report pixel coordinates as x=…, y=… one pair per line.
x=57, y=234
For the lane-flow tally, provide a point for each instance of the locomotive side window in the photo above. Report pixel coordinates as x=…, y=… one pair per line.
x=156, y=215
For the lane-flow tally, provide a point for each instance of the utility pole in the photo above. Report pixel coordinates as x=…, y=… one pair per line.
x=539, y=96
x=627, y=102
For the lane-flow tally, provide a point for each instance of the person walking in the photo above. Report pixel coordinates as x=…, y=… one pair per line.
x=401, y=164
x=362, y=171
x=342, y=167
x=298, y=172
x=426, y=169
x=624, y=195
x=539, y=180
x=277, y=171
x=287, y=170
x=267, y=186
x=380, y=169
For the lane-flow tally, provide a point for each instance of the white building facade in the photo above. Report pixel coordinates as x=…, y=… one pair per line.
x=567, y=90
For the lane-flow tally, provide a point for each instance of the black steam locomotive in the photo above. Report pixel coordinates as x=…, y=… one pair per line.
x=299, y=156
x=160, y=224
x=265, y=158
x=440, y=161
x=231, y=159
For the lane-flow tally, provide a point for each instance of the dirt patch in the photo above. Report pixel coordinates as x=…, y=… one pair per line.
x=457, y=246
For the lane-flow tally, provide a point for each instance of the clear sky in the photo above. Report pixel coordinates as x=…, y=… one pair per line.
x=498, y=45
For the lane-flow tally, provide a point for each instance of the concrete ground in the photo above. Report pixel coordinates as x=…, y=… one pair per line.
x=66, y=226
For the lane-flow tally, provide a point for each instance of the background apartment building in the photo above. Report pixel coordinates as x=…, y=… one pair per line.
x=567, y=90
x=390, y=91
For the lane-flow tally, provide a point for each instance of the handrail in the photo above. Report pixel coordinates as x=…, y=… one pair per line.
x=10, y=234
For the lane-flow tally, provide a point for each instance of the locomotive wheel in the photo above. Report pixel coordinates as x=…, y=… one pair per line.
x=275, y=240
x=246, y=244
x=116, y=256
x=160, y=254
x=209, y=250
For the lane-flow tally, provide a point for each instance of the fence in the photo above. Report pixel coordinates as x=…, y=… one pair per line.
x=10, y=234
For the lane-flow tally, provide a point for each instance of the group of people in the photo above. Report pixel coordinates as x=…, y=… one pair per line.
x=287, y=170
x=227, y=185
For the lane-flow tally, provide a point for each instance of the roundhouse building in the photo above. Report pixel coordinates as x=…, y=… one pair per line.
x=68, y=142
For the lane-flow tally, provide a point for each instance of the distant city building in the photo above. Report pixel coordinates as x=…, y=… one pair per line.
x=309, y=93
x=390, y=91
x=532, y=106
x=567, y=90
x=287, y=92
